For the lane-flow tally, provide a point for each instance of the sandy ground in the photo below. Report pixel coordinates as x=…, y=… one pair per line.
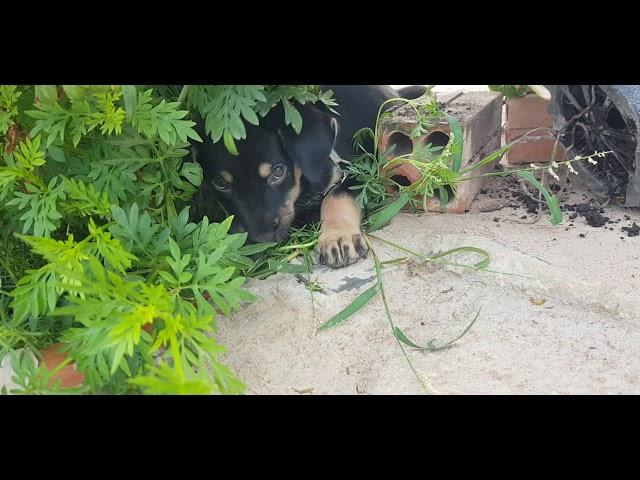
x=562, y=318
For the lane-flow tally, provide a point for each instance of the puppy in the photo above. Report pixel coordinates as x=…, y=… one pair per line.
x=281, y=178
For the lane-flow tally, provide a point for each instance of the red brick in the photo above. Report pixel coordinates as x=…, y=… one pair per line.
x=480, y=116
x=528, y=112
x=535, y=148
x=523, y=115
x=51, y=358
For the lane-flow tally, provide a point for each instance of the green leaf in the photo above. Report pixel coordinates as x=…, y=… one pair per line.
x=509, y=91
x=192, y=171
x=292, y=116
x=255, y=248
x=249, y=115
x=174, y=249
x=57, y=154
x=381, y=218
x=167, y=277
x=229, y=143
x=47, y=94
x=129, y=94
x=444, y=197
x=552, y=200
x=457, y=146
x=118, y=356
x=163, y=120
x=362, y=299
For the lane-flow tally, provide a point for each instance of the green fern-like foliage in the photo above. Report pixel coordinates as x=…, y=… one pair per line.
x=97, y=247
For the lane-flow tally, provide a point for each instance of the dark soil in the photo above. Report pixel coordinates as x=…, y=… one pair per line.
x=593, y=215
x=632, y=231
x=511, y=192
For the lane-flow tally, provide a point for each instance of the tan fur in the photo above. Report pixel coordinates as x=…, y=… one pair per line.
x=227, y=176
x=288, y=209
x=340, y=241
x=264, y=169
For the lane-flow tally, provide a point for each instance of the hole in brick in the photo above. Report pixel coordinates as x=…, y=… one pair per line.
x=401, y=180
x=437, y=139
x=403, y=144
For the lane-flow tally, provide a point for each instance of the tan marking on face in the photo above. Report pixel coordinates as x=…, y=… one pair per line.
x=292, y=196
x=227, y=176
x=264, y=169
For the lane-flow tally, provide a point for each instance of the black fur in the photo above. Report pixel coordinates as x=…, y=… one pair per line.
x=260, y=205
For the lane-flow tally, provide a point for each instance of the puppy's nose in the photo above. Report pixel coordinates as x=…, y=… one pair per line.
x=275, y=223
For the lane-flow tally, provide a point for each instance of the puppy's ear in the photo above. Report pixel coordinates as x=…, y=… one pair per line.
x=311, y=149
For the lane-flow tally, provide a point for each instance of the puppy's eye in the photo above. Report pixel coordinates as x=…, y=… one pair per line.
x=278, y=170
x=220, y=184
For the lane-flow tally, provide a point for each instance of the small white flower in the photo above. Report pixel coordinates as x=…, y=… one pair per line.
x=554, y=164
x=553, y=173
x=591, y=161
x=578, y=157
x=570, y=167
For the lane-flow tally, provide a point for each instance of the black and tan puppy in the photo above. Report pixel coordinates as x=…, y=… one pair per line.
x=281, y=178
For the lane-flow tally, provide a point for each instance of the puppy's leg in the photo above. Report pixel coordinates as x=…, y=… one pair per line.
x=340, y=241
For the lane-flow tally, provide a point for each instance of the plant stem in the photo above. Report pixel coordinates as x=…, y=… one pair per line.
x=443, y=262
x=63, y=364
x=388, y=313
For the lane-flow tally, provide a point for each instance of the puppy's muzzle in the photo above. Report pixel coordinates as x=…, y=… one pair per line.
x=277, y=233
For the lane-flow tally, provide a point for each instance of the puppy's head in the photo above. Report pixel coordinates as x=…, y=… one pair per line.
x=261, y=185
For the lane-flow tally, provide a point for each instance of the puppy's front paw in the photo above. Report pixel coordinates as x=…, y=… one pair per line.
x=341, y=242
x=339, y=249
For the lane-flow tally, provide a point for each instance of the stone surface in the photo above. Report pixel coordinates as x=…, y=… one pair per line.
x=560, y=312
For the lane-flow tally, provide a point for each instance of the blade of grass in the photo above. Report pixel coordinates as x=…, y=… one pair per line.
x=252, y=249
x=381, y=218
x=387, y=311
x=456, y=148
x=277, y=266
x=552, y=200
x=484, y=263
x=444, y=262
x=431, y=346
x=360, y=301
x=492, y=157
